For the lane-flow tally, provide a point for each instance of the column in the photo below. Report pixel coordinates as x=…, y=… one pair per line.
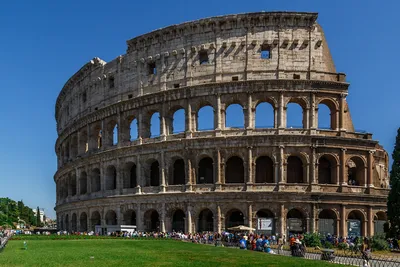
x=162, y=124
x=120, y=176
x=188, y=119
x=370, y=173
x=282, y=220
x=162, y=221
x=313, y=114
x=139, y=223
x=313, y=218
x=139, y=178
x=218, y=169
x=78, y=137
x=343, y=176
x=140, y=126
x=250, y=215
x=162, y=173
x=249, y=122
x=343, y=230
x=370, y=222
x=120, y=131
x=306, y=118
x=341, y=112
x=188, y=175
x=219, y=220
x=250, y=179
x=88, y=181
x=313, y=177
x=78, y=184
x=102, y=178
x=119, y=217
x=88, y=143
x=281, y=120
x=282, y=178
x=218, y=114
x=189, y=220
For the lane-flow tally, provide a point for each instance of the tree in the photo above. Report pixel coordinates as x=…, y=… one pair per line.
x=394, y=194
x=37, y=216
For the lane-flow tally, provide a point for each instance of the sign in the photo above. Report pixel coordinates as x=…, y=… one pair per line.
x=265, y=224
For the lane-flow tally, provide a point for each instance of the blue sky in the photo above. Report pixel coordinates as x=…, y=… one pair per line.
x=44, y=42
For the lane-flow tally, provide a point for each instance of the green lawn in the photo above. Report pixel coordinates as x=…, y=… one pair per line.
x=114, y=252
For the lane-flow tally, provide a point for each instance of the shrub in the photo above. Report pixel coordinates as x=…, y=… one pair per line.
x=328, y=245
x=312, y=240
x=342, y=246
x=379, y=243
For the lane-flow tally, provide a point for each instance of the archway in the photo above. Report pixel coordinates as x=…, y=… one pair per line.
x=205, y=221
x=74, y=223
x=264, y=170
x=205, y=118
x=178, y=174
x=296, y=223
x=152, y=221
x=154, y=174
x=178, y=121
x=111, y=218
x=234, y=116
x=355, y=221
x=295, y=117
x=178, y=221
x=264, y=115
x=72, y=184
x=83, y=183
x=327, y=115
x=155, y=125
x=133, y=130
x=265, y=221
x=234, y=218
x=83, y=222
x=380, y=219
x=111, y=178
x=327, y=170
x=130, y=217
x=234, y=170
x=95, y=219
x=294, y=170
x=95, y=177
x=327, y=222
x=206, y=171
x=356, y=171
x=130, y=179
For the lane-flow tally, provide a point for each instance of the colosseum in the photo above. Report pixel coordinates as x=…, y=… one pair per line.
x=133, y=148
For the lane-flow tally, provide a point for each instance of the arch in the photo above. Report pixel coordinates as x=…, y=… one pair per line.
x=83, y=222
x=111, y=178
x=74, y=146
x=265, y=115
x=296, y=223
x=295, y=170
x=205, y=118
x=74, y=223
x=83, y=142
x=154, y=173
x=133, y=129
x=234, y=217
x=205, y=221
x=72, y=184
x=178, y=173
x=132, y=176
x=327, y=222
x=129, y=217
x=67, y=223
x=327, y=114
x=295, y=115
x=83, y=183
x=206, y=171
x=152, y=221
x=356, y=171
x=111, y=218
x=178, y=121
x=380, y=219
x=95, y=177
x=264, y=170
x=178, y=221
x=327, y=170
x=234, y=116
x=267, y=215
x=355, y=223
x=155, y=125
x=95, y=219
x=234, y=170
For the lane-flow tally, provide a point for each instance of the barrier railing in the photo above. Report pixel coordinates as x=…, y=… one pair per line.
x=3, y=242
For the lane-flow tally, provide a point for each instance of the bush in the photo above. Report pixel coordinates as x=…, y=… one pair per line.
x=328, y=245
x=342, y=246
x=379, y=243
x=312, y=240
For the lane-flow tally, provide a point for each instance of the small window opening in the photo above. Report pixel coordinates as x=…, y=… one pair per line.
x=265, y=52
x=96, y=108
x=152, y=68
x=203, y=57
x=111, y=82
x=84, y=97
x=296, y=76
x=176, y=85
x=235, y=78
x=130, y=96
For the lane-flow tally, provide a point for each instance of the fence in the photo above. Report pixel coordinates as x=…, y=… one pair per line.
x=3, y=242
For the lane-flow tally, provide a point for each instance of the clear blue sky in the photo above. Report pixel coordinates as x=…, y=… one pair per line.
x=44, y=42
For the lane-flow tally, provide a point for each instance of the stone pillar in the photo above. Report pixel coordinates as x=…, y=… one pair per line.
x=163, y=130
x=162, y=221
x=250, y=215
x=188, y=175
x=313, y=177
x=282, y=220
x=343, y=176
x=313, y=118
x=139, y=178
x=89, y=141
x=370, y=215
x=341, y=112
x=370, y=172
x=188, y=119
x=102, y=178
x=139, y=221
x=314, y=216
x=119, y=216
x=88, y=181
x=249, y=119
x=306, y=118
x=220, y=125
x=250, y=178
x=189, y=220
x=219, y=220
x=281, y=115
x=140, y=126
x=78, y=184
x=162, y=173
x=217, y=171
x=343, y=230
x=120, y=131
x=282, y=178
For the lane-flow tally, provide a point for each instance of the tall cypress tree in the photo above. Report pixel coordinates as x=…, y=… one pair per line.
x=394, y=194
x=37, y=216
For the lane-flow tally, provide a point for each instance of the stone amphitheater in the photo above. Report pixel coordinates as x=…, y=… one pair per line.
x=113, y=169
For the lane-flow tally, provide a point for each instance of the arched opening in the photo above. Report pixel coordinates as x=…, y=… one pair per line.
x=264, y=115
x=95, y=219
x=115, y=135
x=130, y=217
x=67, y=223
x=83, y=222
x=72, y=184
x=264, y=170
x=265, y=221
x=355, y=221
x=234, y=170
x=178, y=121
x=99, y=137
x=111, y=218
x=95, y=177
x=327, y=222
x=234, y=116
x=205, y=119
x=294, y=116
x=111, y=178
x=133, y=130
x=74, y=223
x=294, y=170
x=130, y=179
x=154, y=174
x=178, y=221
x=83, y=183
x=380, y=219
x=206, y=171
x=296, y=222
x=83, y=142
x=152, y=221
x=74, y=147
x=155, y=125
x=234, y=218
x=326, y=170
x=178, y=172
x=356, y=171
x=327, y=115
x=206, y=221
x=66, y=151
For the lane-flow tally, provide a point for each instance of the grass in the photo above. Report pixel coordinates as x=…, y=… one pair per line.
x=114, y=252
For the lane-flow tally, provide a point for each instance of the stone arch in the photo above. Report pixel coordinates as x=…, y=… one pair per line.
x=83, y=141
x=356, y=171
x=111, y=218
x=380, y=219
x=129, y=217
x=83, y=183
x=74, y=223
x=83, y=222
x=96, y=139
x=133, y=128
x=95, y=180
x=205, y=170
x=234, y=172
x=176, y=121
x=265, y=214
x=234, y=217
x=152, y=220
x=155, y=125
x=327, y=169
x=296, y=221
x=74, y=146
x=72, y=183
x=327, y=222
x=265, y=170
x=152, y=172
x=95, y=219
x=205, y=117
x=177, y=176
x=178, y=220
x=111, y=178
x=291, y=104
x=295, y=169
x=130, y=176
x=333, y=116
x=355, y=223
x=232, y=118
x=264, y=115
x=205, y=221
